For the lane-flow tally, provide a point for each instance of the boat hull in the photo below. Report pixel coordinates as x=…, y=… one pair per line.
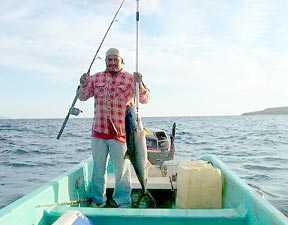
x=241, y=204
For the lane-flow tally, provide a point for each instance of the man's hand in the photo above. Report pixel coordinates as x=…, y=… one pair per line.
x=138, y=77
x=84, y=79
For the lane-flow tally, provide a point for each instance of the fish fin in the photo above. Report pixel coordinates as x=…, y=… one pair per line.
x=125, y=166
x=126, y=156
x=148, y=166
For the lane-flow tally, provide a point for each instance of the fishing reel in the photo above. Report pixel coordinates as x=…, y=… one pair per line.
x=74, y=111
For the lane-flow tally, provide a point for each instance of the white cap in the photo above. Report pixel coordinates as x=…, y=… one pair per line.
x=113, y=51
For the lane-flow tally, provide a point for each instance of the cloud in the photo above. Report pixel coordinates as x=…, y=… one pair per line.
x=226, y=68
x=129, y=6
x=254, y=21
x=215, y=50
x=48, y=36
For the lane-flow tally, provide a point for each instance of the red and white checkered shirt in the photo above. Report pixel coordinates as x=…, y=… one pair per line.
x=112, y=93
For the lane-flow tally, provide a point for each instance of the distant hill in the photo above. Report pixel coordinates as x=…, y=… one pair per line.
x=269, y=111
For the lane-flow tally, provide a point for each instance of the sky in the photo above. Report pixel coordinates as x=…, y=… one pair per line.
x=198, y=58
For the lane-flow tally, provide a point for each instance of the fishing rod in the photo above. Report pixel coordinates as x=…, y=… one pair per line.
x=137, y=61
x=75, y=111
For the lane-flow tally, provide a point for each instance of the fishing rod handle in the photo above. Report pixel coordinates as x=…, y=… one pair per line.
x=68, y=114
x=63, y=126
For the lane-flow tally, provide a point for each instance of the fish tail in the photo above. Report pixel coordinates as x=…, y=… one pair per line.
x=150, y=203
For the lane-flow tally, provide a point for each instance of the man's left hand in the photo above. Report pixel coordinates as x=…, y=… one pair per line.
x=138, y=77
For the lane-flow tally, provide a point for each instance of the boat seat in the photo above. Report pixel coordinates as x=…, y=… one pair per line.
x=152, y=182
x=155, y=179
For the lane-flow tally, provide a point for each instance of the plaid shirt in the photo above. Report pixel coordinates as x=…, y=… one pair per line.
x=112, y=93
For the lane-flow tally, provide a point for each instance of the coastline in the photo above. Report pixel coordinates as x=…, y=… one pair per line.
x=269, y=111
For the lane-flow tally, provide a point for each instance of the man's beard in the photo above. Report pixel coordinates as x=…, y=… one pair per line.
x=113, y=69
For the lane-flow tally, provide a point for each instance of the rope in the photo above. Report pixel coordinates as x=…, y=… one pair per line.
x=73, y=202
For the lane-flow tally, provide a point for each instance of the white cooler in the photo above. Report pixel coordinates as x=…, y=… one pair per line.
x=73, y=217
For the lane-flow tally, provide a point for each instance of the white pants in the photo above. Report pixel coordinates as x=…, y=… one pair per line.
x=101, y=149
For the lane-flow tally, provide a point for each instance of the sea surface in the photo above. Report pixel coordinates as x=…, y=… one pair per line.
x=254, y=147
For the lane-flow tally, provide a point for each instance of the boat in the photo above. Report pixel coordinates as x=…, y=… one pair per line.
x=67, y=195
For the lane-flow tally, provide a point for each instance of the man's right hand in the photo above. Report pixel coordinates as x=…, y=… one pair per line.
x=84, y=79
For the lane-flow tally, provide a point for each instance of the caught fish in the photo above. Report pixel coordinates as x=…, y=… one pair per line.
x=137, y=151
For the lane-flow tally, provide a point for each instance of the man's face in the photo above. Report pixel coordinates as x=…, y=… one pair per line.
x=113, y=63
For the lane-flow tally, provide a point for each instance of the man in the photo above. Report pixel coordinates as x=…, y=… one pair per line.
x=112, y=89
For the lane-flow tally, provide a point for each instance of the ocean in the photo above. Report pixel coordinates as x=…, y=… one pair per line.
x=254, y=147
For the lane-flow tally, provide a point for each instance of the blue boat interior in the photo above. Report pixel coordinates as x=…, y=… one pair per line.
x=241, y=204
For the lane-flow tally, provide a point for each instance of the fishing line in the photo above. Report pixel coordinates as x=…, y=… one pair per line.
x=74, y=111
x=113, y=20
